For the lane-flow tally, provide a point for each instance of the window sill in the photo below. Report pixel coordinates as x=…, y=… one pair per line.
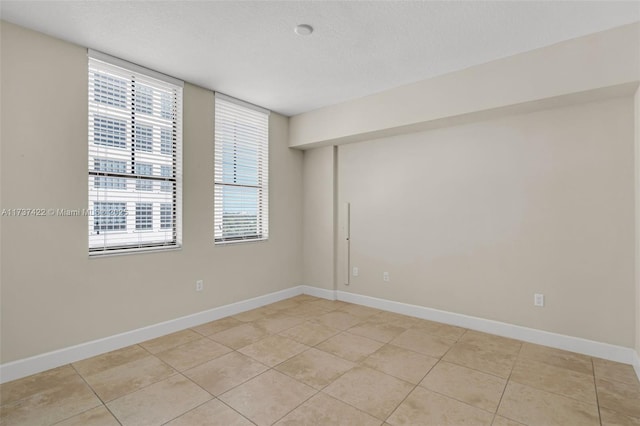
x=126, y=252
x=234, y=242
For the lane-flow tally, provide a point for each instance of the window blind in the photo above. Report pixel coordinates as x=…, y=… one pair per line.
x=241, y=182
x=135, y=157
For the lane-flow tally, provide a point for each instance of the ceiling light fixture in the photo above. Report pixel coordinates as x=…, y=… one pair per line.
x=303, y=29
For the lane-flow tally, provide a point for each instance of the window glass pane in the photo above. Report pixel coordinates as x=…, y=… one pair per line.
x=239, y=211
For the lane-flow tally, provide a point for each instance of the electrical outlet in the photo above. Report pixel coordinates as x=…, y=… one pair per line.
x=538, y=299
x=355, y=271
x=385, y=277
x=199, y=285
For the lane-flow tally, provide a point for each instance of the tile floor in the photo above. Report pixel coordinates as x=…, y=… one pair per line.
x=309, y=361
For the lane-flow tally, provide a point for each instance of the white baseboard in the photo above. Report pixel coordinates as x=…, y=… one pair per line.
x=636, y=364
x=319, y=292
x=32, y=365
x=36, y=364
x=554, y=340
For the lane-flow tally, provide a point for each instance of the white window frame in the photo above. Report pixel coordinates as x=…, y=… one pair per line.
x=160, y=111
x=241, y=196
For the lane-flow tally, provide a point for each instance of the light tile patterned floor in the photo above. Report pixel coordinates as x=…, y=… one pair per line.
x=309, y=361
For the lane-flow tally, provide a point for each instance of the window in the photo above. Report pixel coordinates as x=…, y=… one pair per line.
x=135, y=140
x=241, y=171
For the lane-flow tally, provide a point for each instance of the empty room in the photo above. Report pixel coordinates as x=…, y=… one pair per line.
x=320, y=213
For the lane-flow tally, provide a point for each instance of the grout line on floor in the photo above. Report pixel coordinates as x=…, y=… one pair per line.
x=506, y=383
x=104, y=404
x=190, y=410
x=89, y=386
x=297, y=406
x=239, y=413
x=595, y=385
x=416, y=385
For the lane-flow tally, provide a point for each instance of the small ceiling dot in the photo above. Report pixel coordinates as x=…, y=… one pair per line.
x=303, y=29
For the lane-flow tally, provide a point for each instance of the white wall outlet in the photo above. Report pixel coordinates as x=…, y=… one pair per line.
x=538, y=299
x=355, y=271
x=385, y=277
x=199, y=285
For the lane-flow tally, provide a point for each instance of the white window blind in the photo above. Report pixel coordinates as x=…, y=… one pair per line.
x=241, y=171
x=135, y=157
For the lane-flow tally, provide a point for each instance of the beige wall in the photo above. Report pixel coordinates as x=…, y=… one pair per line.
x=475, y=219
x=318, y=178
x=53, y=295
x=596, y=61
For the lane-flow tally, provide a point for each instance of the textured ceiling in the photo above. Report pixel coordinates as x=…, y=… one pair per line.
x=249, y=49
